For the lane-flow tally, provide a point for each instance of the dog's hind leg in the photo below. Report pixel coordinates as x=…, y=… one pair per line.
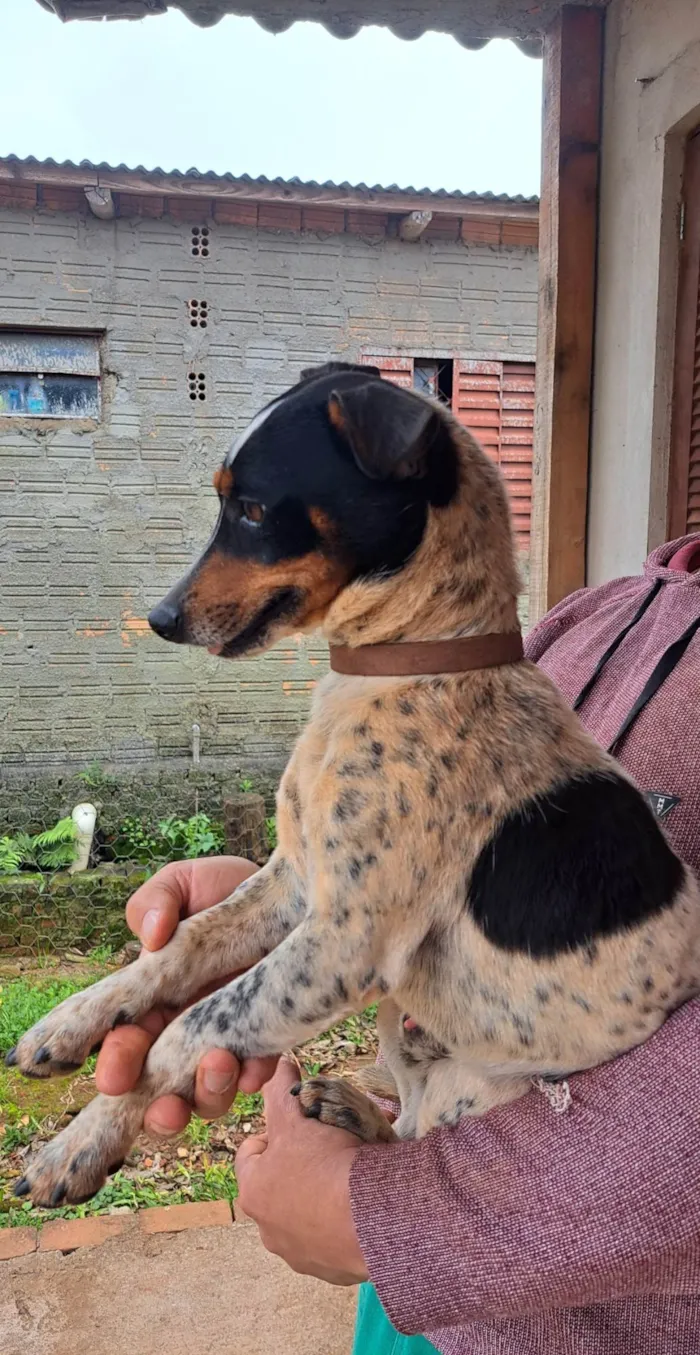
x=335, y=1101
x=377, y=1080
x=455, y=1088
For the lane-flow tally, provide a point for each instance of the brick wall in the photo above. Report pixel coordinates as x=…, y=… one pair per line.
x=97, y=522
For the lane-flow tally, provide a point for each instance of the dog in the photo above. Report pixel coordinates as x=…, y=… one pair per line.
x=452, y=845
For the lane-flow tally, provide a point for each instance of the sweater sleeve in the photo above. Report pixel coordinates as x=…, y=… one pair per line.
x=527, y=1210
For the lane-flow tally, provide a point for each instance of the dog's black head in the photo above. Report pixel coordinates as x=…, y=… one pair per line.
x=330, y=483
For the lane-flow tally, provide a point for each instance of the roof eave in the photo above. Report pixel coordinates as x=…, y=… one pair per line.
x=207, y=186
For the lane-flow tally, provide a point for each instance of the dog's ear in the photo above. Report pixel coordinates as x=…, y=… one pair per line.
x=390, y=430
x=331, y=368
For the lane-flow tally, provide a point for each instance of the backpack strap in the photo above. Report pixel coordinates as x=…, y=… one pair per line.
x=664, y=667
x=590, y=684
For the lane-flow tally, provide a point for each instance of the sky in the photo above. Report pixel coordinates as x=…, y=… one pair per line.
x=371, y=109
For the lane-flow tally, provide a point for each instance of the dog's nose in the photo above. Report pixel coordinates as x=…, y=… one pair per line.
x=166, y=621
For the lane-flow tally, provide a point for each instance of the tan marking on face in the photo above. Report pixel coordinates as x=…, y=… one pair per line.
x=223, y=481
x=335, y=413
x=227, y=593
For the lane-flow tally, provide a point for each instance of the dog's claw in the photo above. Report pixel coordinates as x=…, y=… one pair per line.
x=21, y=1187
x=58, y=1195
x=42, y=1055
x=11, y=1057
x=294, y=1091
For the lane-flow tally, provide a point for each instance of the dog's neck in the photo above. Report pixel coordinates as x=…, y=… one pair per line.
x=462, y=580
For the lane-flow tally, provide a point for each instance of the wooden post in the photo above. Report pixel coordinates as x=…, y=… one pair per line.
x=244, y=827
x=573, y=61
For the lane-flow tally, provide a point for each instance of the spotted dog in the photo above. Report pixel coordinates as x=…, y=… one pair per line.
x=453, y=846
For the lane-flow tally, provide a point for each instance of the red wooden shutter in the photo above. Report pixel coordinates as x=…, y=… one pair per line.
x=496, y=402
x=684, y=469
x=398, y=370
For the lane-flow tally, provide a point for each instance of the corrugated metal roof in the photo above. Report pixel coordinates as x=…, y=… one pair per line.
x=261, y=181
x=472, y=22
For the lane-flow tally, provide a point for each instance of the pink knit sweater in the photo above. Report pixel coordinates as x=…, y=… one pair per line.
x=534, y=1233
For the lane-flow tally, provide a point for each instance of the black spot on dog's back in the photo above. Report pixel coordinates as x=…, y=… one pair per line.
x=587, y=859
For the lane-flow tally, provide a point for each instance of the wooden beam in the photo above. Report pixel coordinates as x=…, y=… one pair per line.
x=572, y=75
x=228, y=189
x=683, y=434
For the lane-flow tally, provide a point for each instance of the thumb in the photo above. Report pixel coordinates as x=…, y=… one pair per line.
x=279, y=1105
x=250, y=1148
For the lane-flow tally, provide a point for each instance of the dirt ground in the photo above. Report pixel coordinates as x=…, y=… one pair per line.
x=213, y=1291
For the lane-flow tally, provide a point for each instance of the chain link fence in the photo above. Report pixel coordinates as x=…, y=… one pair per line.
x=73, y=849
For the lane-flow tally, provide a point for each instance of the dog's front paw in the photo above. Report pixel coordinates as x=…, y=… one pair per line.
x=74, y=1165
x=336, y=1102
x=62, y=1040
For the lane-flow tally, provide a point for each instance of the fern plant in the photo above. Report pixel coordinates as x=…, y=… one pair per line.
x=10, y=856
x=54, y=849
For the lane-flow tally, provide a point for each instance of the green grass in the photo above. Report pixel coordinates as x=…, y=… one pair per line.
x=211, y=1183
x=23, y=1003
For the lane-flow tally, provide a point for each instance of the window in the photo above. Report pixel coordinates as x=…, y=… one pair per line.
x=51, y=376
x=433, y=376
x=495, y=400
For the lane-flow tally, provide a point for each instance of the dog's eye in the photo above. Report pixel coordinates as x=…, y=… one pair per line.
x=252, y=512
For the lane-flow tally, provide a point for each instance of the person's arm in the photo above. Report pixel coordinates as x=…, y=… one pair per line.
x=527, y=1210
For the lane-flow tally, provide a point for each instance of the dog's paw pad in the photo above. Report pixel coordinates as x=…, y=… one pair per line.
x=336, y=1102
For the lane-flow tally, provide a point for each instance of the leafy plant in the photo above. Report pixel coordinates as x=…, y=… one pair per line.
x=19, y=1134
x=197, y=1133
x=135, y=842
x=245, y=785
x=10, y=856
x=172, y=839
x=188, y=838
x=95, y=777
x=54, y=849
x=271, y=831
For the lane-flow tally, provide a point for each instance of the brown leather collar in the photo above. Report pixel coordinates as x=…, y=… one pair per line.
x=420, y=657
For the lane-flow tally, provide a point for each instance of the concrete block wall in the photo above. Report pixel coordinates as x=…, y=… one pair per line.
x=96, y=521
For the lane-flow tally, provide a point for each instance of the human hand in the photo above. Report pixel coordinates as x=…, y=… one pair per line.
x=179, y=890
x=294, y=1182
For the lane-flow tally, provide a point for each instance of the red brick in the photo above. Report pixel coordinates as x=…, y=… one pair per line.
x=367, y=223
x=235, y=213
x=196, y=210
x=68, y=1234
x=520, y=233
x=17, y=195
x=442, y=228
x=55, y=199
x=175, y=1218
x=279, y=216
x=484, y=231
x=328, y=219
x=137, y=204
x=16, y=1242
